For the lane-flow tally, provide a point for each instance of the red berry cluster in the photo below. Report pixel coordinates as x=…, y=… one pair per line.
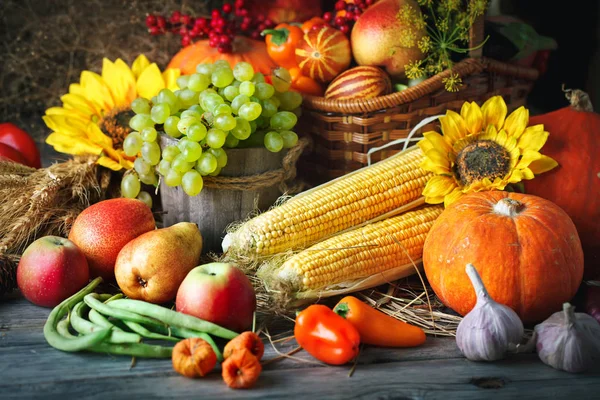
x=346, y=14
x=220, y=29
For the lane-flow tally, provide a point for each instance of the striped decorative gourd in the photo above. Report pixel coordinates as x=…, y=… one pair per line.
x=323, y=53
x=364, y=257
x=391, y=186
x=362, y=82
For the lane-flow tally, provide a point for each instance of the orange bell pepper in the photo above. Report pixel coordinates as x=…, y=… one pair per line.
x=326, y=336
x=305, y=84
x=281, y=44
x=377, y=328
x=315, y=21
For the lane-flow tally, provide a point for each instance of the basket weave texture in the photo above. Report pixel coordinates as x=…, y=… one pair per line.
x=343, y=131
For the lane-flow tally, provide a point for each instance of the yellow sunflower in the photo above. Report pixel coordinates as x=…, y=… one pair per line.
x=94, y=118
x=482, y=149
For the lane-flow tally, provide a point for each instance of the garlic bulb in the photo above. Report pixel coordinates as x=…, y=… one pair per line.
x=568, y=341
x=486, y=332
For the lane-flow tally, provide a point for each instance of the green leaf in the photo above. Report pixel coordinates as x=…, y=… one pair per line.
x=278, y=36
x=526, y=39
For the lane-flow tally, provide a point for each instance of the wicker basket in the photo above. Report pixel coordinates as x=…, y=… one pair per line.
x=344, y=131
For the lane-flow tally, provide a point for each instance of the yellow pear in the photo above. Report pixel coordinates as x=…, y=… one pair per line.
x=152, y=266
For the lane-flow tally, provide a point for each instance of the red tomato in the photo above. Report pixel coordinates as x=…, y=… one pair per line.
x=20, y=140
x=8, y=152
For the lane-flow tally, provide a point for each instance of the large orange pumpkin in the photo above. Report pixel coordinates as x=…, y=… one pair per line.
x=525, y=248
x=574, y=142
x=244, y=49
x=323, y=53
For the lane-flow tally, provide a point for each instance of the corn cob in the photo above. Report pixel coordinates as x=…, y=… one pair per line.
x=333, y=207
x=367, y=256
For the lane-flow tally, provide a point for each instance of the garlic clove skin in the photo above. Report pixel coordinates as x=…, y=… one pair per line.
x=486, y=332
x=569, y=341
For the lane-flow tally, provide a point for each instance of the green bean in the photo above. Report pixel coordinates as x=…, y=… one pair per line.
x=63, y=327
x=115, y=297
x=188, y=333
x=108, y=309
x=83, y=326
x=142, y=331
x=172, y=318
x=133, y=349
x=100, y=320
x=55, y=339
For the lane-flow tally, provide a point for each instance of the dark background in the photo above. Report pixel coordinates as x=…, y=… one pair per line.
x=46, y=44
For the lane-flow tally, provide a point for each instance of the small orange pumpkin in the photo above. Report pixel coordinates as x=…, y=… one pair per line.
x=526, y=250
x=244, y=49
x=323, y=53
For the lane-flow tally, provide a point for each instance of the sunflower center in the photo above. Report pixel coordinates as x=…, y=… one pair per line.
x=482, y=159
x=115, y=124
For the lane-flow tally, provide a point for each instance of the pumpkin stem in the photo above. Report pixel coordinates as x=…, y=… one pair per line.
x=580, y=100
x=508, y=207
x=480, y=290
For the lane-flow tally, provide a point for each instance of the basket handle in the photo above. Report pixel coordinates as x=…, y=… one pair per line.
x=476, y=32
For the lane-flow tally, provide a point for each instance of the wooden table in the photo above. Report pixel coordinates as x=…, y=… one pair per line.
x=30, y=368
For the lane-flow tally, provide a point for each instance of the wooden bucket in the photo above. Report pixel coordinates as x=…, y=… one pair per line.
x=226, y=198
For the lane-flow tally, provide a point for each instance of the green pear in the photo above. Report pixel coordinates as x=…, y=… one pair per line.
x=152, y=266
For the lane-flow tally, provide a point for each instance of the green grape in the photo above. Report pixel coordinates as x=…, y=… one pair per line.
x=253, y=126
x=242, y=129
x=173, y=178
x=208, y=118
x=247, y=88
x=222, y=77
x=290, y=139
x=262, y=122
x=297, y=112
x=163, y=167
x=243, y=71
x=140, y=106
x=141, y=121
x=185, y=122
x=275, y=100
x=207, y=164
x=192, y=183
x=238, y=102
x=198, y=82
x=170, y=152
x=182, y=144
x=181, y=165
x=133, y=144
x=264, y=91
x=236, y=84
x=250, y=111
x=273, y=142
x=283, y=120
x=151, y=152
x=166, y=96
x=130, y=186
x=281, y=78
x=154, y=100
x=141, y=166
x=215, y=138
x=210, y=101
x=289, y=100
x=269, y=108
x=146, y=198
x=196, y=132
x=221, y=156
x=170, y=126
x=254, y=99
x=255, y=140
x=230, y=92
x=195, y=108
x=258, y=78
x=149, y=179
x=205, y=68
x=216, y=172
x=149, y=135
x=221, y=64
x=192, y=151
x=191, y=114
x=182, y=81
x=231, y=141
x=187, y=97
x=222, y=109
x=224, y=122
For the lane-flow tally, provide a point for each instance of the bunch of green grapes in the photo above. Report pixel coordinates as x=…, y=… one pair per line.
x=215, y=109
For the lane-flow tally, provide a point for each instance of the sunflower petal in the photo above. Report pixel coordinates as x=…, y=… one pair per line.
x=72, y=127
x=473, y=117
x=452, y=197
x=65, y=112
x=533, y=138
x=80, y=104
x=494, y=112
x=543, y=164
x=515, y=176
x=529, y=156
x=139, y=65
x=434, y=199
x=120, y=80
x=438, y=158
x=439, y=185
x=75, y=88
x=72, y=145
x=437, y=141
x=428, y=165
x=97, y=136
x=150, y=82
x=425, y=145
x=109, y=163
x=453, y=126
x=516, y=122
x=170, y=77
x=96, y=90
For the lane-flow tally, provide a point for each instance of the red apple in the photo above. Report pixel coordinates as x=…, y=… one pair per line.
x=220, y=293
x=51, y=269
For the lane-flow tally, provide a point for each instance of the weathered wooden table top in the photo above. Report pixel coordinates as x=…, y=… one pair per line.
x=30, y=368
